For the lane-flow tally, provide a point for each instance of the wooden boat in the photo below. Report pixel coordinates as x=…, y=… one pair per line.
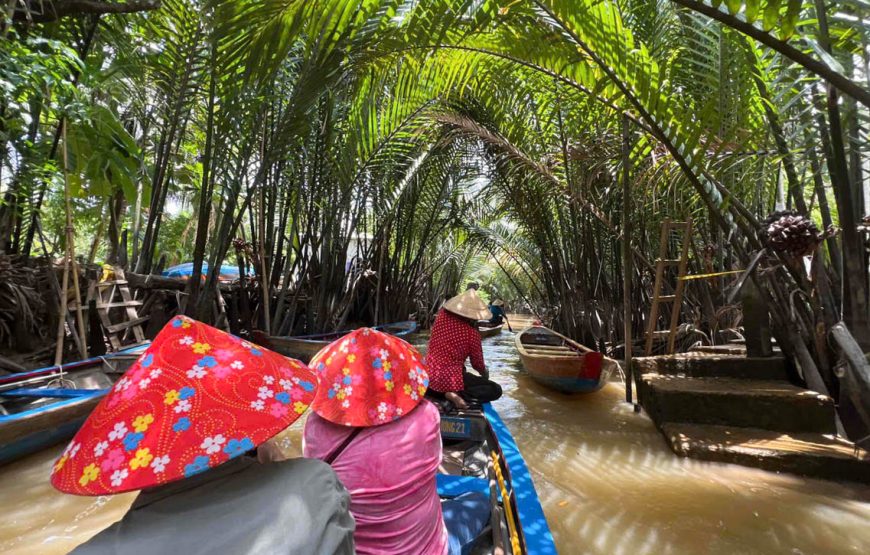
x=303, y=347
x=555, y=361
x=490, y=331
x=480, y=455
x=38, y=409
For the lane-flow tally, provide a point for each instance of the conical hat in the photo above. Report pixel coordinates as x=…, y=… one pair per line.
x=368, y=378
x=196, y=398
x=468, y=305
x=498, y=302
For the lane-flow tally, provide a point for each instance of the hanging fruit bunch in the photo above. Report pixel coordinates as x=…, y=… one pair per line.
x=788, y=232
x=243, y=247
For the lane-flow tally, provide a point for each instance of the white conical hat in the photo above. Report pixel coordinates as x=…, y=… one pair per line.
x=468, y=305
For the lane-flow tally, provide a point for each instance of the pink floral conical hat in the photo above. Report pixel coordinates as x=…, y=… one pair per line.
x=368, y=378
x=196, y=398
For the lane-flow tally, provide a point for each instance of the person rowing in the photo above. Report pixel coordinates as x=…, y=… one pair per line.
x=371, y=422
x=455, y=339
x=186, y=425
x=499, y=316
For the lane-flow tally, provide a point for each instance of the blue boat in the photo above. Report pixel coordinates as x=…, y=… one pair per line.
x=480, y=455
x=46, y=406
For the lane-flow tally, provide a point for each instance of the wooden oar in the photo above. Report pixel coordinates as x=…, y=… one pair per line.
x=508, y=322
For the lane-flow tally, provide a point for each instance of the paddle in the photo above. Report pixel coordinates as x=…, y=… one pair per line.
x=508, y=322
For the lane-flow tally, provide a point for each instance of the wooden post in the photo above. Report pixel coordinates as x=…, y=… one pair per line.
x=755, y=322
x=626, y=257
x=857, y=376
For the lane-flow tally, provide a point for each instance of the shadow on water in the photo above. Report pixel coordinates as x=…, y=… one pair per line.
x=606, y=479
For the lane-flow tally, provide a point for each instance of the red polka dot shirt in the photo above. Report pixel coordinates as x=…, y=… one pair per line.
x=452, y=341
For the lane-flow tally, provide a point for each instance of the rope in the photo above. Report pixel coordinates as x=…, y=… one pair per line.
x=705, y=276
x=60, y=381
x=107, y=363
x=505, y=498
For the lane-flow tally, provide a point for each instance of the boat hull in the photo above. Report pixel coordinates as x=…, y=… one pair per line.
x=41, y=415
x=491, y=332
x=559, y=363
x=568, y=384
x=300, y=349
x=32, y=432
x=305, y=347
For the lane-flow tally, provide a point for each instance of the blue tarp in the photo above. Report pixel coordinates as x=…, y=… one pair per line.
x=186, y=270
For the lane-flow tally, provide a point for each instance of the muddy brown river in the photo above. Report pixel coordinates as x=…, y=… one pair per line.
x=607, y=482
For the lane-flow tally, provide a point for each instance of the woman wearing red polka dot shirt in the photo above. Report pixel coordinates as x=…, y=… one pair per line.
x=454, y=339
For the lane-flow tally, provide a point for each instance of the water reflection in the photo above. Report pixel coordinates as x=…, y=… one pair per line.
x=608, y=484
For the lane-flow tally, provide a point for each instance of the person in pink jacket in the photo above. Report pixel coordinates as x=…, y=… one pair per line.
x=370, y=422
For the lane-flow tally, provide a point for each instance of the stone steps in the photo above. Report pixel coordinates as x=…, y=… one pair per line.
x=727, y=408
x=816, y=455
x=700, y=365
x=766, y=404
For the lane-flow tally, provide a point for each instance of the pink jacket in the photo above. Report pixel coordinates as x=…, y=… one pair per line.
x=389, y=471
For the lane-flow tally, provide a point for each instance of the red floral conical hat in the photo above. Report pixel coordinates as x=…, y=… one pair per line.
x=368, y=378
x=196, y=398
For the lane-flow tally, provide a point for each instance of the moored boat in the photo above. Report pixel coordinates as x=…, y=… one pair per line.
x=555, y=361
x=490, y=331
x=42, y=407
x=303, y=347
x=480, y=455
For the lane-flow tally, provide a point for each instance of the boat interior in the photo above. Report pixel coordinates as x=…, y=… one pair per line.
x=541, y=341
x=470, y=455
x=33, y=390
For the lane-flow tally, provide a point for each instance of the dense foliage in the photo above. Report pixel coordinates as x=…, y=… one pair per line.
x=372, y=155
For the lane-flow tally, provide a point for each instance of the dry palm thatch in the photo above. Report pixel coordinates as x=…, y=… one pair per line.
x=22, y=306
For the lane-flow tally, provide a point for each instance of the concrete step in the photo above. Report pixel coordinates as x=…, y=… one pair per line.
x=815, y=455
x=706, y=365
x=765, y=404
x=726, y=349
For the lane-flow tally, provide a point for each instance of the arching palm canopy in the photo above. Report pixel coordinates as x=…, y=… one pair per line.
x=375, y=153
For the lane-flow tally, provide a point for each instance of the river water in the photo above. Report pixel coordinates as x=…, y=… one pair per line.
x=607, y=482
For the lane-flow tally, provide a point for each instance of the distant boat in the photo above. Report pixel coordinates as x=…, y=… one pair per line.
x=559, y=363
x=303, y=347
x=480, y=455
x=38, y=410
x=184, y=271
x=490, y=331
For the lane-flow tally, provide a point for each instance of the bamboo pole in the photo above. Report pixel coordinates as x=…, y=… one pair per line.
x=69, y=263
x=71, y=250
x=265, y=282
x=626, y=257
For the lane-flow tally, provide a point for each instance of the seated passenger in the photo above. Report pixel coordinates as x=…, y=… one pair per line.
x=372, y=424
x=197, y=399
x=454, y=339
